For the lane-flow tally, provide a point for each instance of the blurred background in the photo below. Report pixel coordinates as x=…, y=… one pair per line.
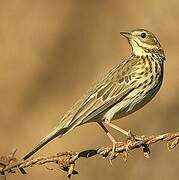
x=51, y=52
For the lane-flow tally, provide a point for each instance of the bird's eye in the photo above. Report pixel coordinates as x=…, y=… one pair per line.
x=143, y=35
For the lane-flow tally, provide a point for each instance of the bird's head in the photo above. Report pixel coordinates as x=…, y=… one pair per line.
x=143, y=42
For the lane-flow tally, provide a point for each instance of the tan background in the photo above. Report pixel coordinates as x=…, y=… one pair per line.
x=50, y=54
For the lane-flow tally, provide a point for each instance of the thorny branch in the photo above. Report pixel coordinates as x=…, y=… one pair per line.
x=66, y=160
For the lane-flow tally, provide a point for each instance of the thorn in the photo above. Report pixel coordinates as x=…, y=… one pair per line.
x=146, y=150
x=173, y=144
x=22, y=171
x=125, y=156
x=3, y=176
x=71, y=169
x=13, y=152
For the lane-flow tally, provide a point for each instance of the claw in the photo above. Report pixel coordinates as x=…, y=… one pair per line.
x=134, y=137
x=113, y=152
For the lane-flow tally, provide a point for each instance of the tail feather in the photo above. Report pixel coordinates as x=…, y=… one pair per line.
x=56, y=133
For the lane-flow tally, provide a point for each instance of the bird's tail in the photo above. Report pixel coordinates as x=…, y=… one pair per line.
x=57, y=132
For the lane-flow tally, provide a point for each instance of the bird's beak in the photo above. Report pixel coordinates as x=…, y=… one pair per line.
x=126, y=34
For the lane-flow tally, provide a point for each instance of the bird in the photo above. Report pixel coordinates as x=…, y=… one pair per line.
x=123, y=90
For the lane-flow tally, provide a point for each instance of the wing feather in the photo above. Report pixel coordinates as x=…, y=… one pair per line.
x=96, y=105
x=106, y=93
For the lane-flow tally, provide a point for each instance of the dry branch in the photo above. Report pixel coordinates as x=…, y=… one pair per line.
x=66, y=160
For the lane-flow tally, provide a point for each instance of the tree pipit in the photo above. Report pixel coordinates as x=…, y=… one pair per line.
x=124, y=90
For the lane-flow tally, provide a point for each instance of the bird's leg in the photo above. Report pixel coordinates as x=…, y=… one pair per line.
x=114, y=142
x=108, y=122
x=129, y=134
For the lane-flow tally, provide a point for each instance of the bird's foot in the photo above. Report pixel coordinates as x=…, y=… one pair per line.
x=134, y=137
x=114, y=153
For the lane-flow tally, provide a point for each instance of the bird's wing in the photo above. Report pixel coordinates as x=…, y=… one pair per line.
x=107, y=93
x=96, y=105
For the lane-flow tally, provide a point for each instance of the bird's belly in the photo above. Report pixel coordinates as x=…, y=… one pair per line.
x=124, y=111
x=130, y=104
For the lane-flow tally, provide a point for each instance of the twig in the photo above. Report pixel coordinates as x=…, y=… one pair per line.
x=66, y=160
